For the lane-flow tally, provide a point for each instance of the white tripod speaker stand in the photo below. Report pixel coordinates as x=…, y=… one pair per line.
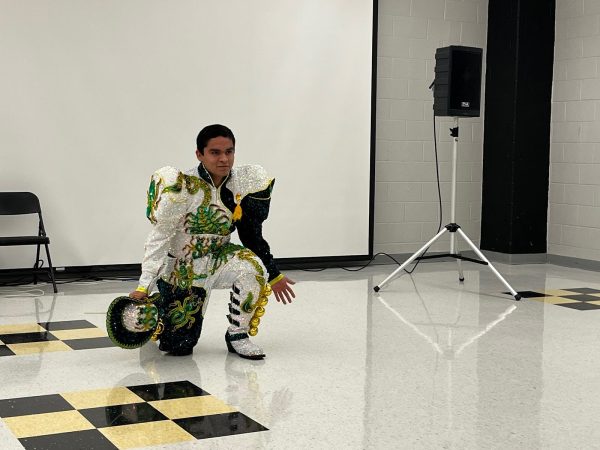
x=451, y=228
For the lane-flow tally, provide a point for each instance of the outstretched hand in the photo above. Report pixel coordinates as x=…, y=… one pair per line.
x=283, y=290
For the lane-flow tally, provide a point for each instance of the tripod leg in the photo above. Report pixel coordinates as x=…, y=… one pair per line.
x=409, y=260
x=483, y=258
x=461, y=276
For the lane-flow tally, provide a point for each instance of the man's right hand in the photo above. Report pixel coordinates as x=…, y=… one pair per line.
x=137, y=295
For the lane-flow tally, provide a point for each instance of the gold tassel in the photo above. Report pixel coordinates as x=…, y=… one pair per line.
x=237, y=212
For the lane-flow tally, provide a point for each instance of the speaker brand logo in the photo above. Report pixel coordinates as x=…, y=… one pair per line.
x=465, y=104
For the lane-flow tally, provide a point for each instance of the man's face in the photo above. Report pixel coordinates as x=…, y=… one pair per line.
x=218, y=157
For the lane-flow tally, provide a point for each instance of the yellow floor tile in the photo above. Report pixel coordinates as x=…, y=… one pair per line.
x=559, y=292
x=49, y=423
x=21, y=328
x=553, y=300
x=39, y=347
x=101, y=397
x=145, y=434
x=204, y=405
x=594, y=302
x=79, y=334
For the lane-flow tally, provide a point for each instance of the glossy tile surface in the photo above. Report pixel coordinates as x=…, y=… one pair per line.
x=123, y=418
x=48, y=423
x=582, y=299
x=79, y=440
x=195, y=406
x=66, y=335
x=101, y=397
x=428, y=363
x=146, y=434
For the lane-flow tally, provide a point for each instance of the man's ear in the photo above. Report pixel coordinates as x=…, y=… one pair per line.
x=199, y=155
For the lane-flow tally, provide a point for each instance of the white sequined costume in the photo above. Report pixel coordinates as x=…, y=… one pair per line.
x=189, y=249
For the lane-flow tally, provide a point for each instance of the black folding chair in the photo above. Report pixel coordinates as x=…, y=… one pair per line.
x=17, y=203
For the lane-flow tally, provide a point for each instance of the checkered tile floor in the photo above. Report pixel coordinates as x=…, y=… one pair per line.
x=122, y=417
x=26, y=338
x=583, y=299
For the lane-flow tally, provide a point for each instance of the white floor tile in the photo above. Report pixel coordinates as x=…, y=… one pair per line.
x=427, y=363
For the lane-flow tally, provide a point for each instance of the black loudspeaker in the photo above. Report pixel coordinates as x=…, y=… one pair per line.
x=457, y=84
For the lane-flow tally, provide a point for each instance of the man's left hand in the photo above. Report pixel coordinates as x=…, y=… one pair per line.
x=283, y=290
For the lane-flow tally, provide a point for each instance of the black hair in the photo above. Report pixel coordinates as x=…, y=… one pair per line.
x=210, y=132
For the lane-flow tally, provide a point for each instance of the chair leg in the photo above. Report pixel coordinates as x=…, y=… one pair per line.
x=51, y=268
x=36, y=265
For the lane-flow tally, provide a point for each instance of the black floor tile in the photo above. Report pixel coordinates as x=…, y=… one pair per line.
x=77, y=440
x=20, y=338
x=581, y=297
x=584, y=290
x=33, y=405
x=66, y=325
x=166, y=391
x=88, y=343
x=5, y=351
x=110, y=416
x=582, y=306
x=216, y=425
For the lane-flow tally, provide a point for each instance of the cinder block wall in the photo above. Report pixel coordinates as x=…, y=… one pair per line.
x=406, y=208
x=574, y=198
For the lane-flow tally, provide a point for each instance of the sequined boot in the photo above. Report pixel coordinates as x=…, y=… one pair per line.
x=237, y=337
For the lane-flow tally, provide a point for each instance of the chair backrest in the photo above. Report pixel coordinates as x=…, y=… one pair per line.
x=13, y=203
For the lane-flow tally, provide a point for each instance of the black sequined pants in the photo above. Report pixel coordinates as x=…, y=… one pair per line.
x=180, y=311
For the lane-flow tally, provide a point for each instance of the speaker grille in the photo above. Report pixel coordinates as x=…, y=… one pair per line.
x=457, y=88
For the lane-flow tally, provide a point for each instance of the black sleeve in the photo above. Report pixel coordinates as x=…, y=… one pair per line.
x=255, y=210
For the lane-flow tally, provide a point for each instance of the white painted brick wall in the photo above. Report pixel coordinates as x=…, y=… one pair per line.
x=574, y=197
x=406, y=202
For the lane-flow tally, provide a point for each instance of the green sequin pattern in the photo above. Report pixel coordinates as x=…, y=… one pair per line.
x=183, y=275
x=208, y=220
x=153, y=200
x=247, y=305
x=191, y=183
x=182, y=314
x=247, y=255
x=223, y=255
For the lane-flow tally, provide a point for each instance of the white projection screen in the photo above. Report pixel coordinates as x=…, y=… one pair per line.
x=98, y=94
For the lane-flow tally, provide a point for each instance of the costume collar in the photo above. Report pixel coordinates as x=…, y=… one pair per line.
x=206, y=176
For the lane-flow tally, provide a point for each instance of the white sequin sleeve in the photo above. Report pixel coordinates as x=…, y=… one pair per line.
x=167, y=205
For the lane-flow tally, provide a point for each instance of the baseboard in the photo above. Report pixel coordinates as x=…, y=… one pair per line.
x=133, y=270
x=516, y=258
x=578, y=263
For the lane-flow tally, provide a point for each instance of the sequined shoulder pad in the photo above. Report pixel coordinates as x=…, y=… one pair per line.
x=167, y=176
x=250, y=179
x=166, y=194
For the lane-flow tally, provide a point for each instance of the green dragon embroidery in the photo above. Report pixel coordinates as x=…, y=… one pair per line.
x=183, y=314
x=200, y=246
x=247, y=305
x=153, y=199
x=183, y=275
x=223, y=255
x=247, y=255
x=191, y=183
